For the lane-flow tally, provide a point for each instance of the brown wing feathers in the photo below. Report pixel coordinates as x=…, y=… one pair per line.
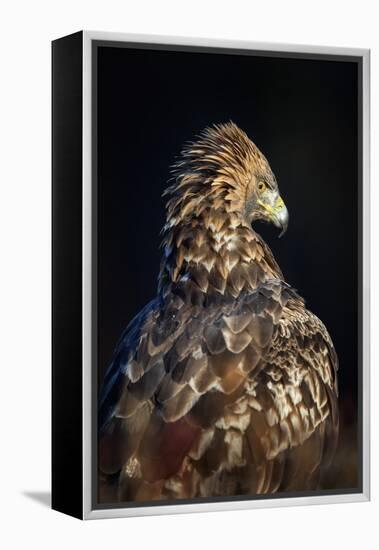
x=221, y=392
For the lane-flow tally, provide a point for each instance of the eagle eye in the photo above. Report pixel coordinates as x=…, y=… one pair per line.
x=261, y=186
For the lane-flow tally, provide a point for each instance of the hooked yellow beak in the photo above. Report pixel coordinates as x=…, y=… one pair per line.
x=277, y=213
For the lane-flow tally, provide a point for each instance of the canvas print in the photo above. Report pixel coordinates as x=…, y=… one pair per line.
x=227, y=358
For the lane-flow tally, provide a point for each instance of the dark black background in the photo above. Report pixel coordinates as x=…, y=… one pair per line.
x=303, y=115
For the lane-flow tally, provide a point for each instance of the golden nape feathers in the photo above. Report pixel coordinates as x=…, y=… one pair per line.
x=225, y=384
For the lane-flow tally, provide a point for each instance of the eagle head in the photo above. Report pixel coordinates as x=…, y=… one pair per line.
x=224, y=170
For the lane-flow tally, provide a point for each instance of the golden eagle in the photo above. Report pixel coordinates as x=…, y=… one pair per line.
x=224, y=384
